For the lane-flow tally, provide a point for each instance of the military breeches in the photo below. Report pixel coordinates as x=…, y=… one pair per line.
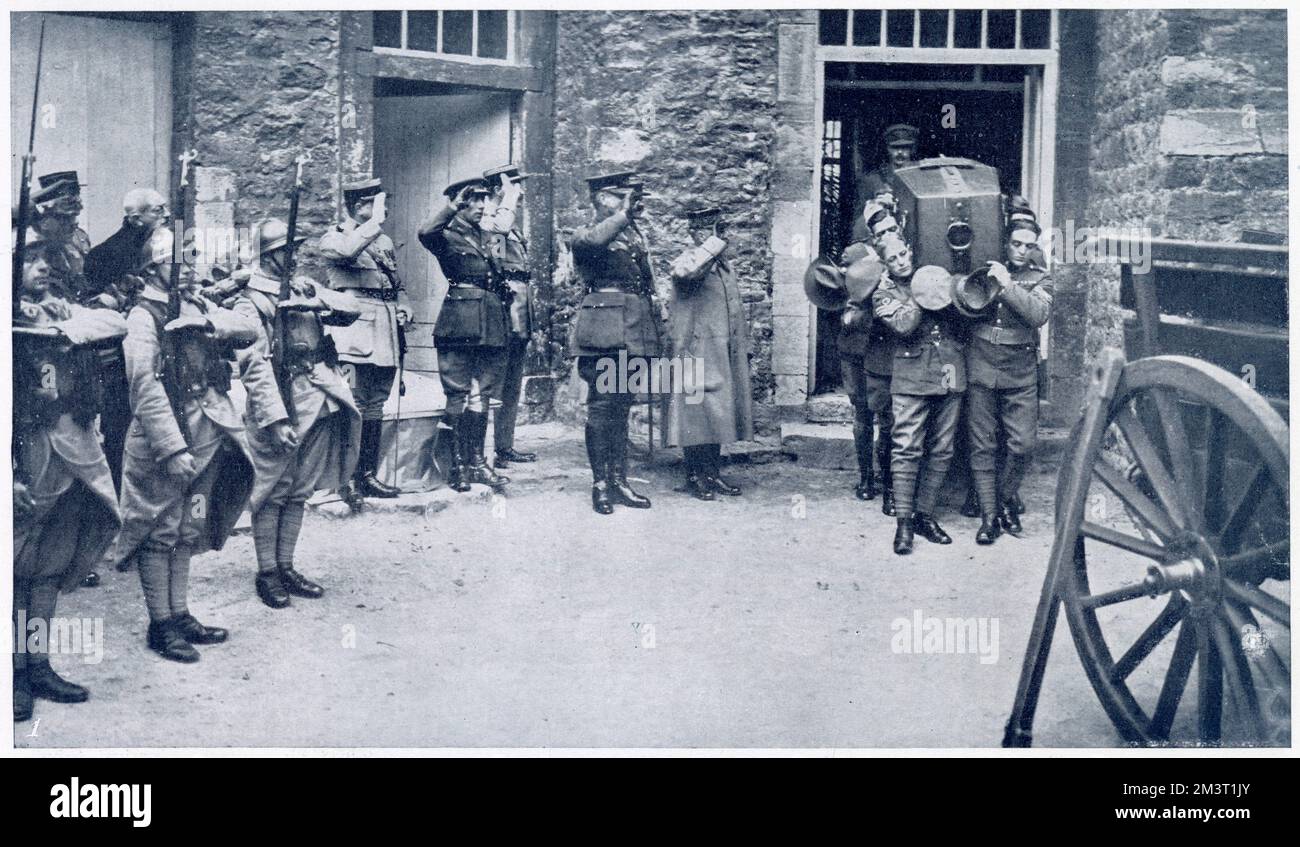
x=512, y=382
x=460, y=368
x=923, y=433
x=309, y=463
x=370, y=388
x=1013, y=412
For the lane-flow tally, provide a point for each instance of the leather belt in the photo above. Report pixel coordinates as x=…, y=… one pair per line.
x=388, y=295
x=1003, y=335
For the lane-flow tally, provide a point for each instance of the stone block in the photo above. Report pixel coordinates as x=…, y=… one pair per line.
x=828, y=446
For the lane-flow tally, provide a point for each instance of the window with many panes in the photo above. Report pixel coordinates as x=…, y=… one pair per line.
x=483, y=35
x=972, y=29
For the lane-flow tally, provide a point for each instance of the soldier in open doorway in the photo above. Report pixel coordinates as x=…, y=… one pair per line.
x=878, y=185
x=363, y=262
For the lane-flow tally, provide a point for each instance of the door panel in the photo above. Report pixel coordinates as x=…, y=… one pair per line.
x=422, y=144
x=105, y=107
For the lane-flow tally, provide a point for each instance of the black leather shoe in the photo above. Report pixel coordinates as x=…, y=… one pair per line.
x=90, y=580
x=271, y=590
x=1010, y=520
x=887, y=501
x=299, y=585
x=352, y=496
x=929, y=529
x=458, y=478
x=622, y=493
x=510, y=454
x=22, y=697
x=903, y=538
x=371, y=487
x=866, y=488
x=721, y=486
x=600, y=498
x=481, y=472
x=971, y=508
x=196, y=633
x=44, y=683
x=989, y=530
x=698, y=487
x=1017, y=505
x=166, y=640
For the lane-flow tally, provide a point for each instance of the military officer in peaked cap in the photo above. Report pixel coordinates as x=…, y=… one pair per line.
x=510, y=249
x=363, y=262
x=57, y=205
x=1002, y=366
x=901, y=141
x=616, y=323
x=470, y=333
x=927, y=383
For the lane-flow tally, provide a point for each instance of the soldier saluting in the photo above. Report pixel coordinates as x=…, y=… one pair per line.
x=511, y=251
x=470, y=333
x=316, y=447
x=65, y=508
x=929, y=377
x=363, y=262
x=616, y=324
x=1002, y=364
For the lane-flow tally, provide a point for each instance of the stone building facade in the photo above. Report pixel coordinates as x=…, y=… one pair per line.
x=1170, y=119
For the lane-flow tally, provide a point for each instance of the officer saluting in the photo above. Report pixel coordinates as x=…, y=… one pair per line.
x=363, y=262
x=616, y=324
x=929, y=376
x=470, y=333
x=318, y=447
x=1002, y=363
x=65, y=508
x=511, y=251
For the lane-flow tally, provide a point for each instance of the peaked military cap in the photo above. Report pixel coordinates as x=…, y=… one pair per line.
x=62, y=196
x=46, y=180
x=898, y=134
x=475, y=184
x=704, y=216
x=618, y=179
x=355, y=192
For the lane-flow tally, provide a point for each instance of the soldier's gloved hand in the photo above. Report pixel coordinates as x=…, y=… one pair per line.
x=461, y=200
x=379, y=210
x=23, y=502
x=285, y=435
x=403, y=315
x=998, y=271
x=182, y=465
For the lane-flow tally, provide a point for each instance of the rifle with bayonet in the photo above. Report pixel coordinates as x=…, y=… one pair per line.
x=24, y=219
x=280, y=346
x=173, y=366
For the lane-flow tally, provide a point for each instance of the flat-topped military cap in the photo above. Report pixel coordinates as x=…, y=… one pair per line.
x=704, y=216
x=475, y=184
x=898, y=134
x=504, y=172
x=65, y=190
x=49, y=179
x=360, y=190
x=618, y=179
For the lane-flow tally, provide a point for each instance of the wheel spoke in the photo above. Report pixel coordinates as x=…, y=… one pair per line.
x=1171, y=692
x=1142, y=506
x=1122, y=540
x=1272, y=560
x=1237, y=522
x=1164, y=624
x=1209, y=704
x=1119, y=595
x=1256, y=598
x=1148, y=459
x=1240, y=682
x=1180, y=452
x=1270, y=664
x=1216, y=439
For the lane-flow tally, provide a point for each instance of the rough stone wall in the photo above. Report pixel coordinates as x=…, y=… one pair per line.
x=1190, y=136
x=689, y=100
x=263, y=87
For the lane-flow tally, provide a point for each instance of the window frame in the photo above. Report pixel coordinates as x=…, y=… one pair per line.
x=512, y=30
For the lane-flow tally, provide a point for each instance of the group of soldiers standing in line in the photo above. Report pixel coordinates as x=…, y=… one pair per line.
x=908, y=359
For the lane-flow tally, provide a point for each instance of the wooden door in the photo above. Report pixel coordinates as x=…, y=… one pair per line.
x=105, y=110
x=423, y=144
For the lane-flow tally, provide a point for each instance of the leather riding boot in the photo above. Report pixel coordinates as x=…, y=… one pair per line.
x=866, y=487
x=903, y=537
x=620, y=491
x=929, y=529
x=457, y=478
x=886, y=476
x=479, y=470
x=598, y=458
x=510, y=454
x=367, y=480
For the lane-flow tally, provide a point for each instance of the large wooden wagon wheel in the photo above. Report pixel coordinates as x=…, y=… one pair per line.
x=1181, y=557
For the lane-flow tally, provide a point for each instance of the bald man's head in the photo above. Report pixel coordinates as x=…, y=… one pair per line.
x=145, y=207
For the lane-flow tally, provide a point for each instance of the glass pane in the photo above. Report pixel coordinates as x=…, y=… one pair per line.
x=966, y=29
x=458, y=33
x=422, y=31
x=492, y=34
x=866, y=28
x=900, y=24
x=1035, y=29
x=833, y=27
x=1002, y=29
x=388, y=29
x=934, y=28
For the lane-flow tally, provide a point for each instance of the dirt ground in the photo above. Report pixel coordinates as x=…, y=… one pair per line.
x=768, y=620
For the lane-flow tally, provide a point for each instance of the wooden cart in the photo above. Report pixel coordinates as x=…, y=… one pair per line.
x=1172, y=551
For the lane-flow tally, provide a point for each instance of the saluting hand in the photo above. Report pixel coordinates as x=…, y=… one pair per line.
x=379, y=211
